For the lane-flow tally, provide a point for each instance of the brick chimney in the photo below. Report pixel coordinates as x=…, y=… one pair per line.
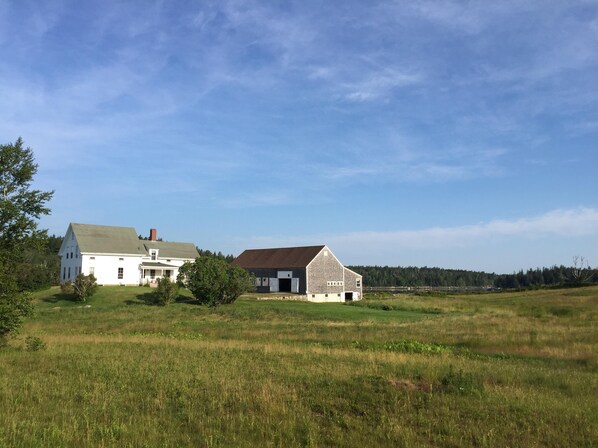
x=153, y=234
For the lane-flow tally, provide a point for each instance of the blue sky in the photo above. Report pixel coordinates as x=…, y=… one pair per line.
x=428, y=133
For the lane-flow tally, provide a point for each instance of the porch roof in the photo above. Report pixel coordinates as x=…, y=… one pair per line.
x=156, y=265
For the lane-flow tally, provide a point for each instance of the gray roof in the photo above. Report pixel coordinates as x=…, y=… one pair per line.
x=172, y=250
x=107, y=239
x=124, y=240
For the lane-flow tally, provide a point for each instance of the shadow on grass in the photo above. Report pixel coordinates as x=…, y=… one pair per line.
x=60, y=297
x=146, y=298
x=151, y=299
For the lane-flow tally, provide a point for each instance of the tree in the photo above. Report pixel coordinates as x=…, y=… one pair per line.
x=580, y=271
x=20, y=208
x=213, y=282
x=84, y=287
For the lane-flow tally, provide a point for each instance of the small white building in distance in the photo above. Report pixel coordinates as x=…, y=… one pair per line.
x=116, y=255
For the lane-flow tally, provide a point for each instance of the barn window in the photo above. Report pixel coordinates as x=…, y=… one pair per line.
x=121, y=273
x=258, y=281
x=358, y=281
x=265, y=281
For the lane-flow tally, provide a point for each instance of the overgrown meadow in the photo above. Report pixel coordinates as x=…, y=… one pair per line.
x=500, y=369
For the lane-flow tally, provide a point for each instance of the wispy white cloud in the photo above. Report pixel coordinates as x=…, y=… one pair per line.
x=510, y=242
x=557, y=223
x=379, y=84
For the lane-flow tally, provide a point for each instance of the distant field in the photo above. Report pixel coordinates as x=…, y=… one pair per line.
x=498, y=369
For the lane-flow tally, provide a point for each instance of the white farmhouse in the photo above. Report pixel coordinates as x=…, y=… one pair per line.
x=116, y=255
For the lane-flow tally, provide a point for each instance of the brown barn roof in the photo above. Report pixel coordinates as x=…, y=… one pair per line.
x=283, y=257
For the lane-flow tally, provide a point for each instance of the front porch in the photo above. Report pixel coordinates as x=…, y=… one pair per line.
x=151, y=271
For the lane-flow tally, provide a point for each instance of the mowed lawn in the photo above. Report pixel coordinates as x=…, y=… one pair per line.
x=501, y=369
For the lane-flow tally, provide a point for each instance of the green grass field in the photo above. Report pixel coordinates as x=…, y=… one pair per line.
x=508, y=369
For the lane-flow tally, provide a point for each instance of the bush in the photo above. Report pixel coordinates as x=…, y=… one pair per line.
x=67, y=287
x=213, y=282
x=166, y=292
x=84, y=287
x=34, y=344
x=13, y=308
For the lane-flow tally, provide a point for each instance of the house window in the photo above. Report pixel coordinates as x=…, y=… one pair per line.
x=167, y=273
x=168, y=261
x=152, y=273
x=71, y=255
x=92, y=258
x=121, y=259
x=92, y=270
x=121, y=273
x=325, y=253
x=358, y=282
x=64, y=273
x=154, y=255
x=69, y=272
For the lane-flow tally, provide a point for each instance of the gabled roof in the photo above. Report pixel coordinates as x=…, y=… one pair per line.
x=107, y=239
x=283, y=257
x=172, y=250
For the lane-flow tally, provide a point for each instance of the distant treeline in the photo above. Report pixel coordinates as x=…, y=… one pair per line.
x=207, y=253
x=414, y=276
x=556, y=275
x=389, y=276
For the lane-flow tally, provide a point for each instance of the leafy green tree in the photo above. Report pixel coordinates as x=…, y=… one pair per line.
x=213, y=282
x=84, y=286
x=167, y=291
x=20, y=208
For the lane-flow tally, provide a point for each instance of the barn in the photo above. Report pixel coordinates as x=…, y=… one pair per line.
x=312, y=271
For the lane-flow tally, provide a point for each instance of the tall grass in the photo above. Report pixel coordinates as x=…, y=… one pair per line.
x=481, y=370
